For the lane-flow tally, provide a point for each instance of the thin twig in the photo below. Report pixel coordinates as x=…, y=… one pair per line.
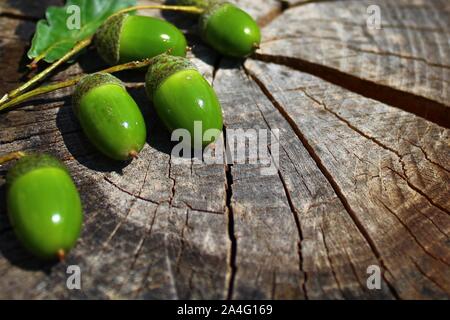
x=188, y=9
x=8, y=99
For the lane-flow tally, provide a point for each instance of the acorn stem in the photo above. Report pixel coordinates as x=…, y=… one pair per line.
x=188, y=9
x=71, y=82
x=133, y=154
x=45, y=73
x=11, y=156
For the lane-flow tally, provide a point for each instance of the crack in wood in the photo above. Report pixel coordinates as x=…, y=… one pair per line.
x=274, y=285
x=355, y=273
x=329, y=178
x=416, y=189
x=28, y=124
x=435, y=112
x=38, y=134
x=444, y=233
x=230, y=205
x=426, y=156
x=182, y=241
x=292, y=207
x=330, y=261
x=412, y=234
x=398, y=55
x=197, y=209
x=135, y=198
x=310, y=36
x=44, y=106
x=141, y=242
x=148, y=231
x=273, y=14
x=379, y=143
x=287, y=5
x=172, y=190
x=17, y=15
x=169, y=265
x=232, y=267
x=231, y=275
x=427, y=276
x=349, y=46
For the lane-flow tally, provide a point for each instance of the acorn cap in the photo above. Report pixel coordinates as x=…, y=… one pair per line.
x=107, y=38
x=210, y=10
x=90, y=82
x=162, y=67
x=31, y=162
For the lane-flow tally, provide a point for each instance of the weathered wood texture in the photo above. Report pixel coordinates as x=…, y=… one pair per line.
x=363, y=176
x=407, y=58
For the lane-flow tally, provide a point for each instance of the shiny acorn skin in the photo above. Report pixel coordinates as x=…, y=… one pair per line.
x=227, y=28
x=124, y=38
x=109, y=116
x=230, y=30
x=44, y=206
x=181, y=96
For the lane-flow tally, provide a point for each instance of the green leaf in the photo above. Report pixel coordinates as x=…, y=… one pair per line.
x=53, y=37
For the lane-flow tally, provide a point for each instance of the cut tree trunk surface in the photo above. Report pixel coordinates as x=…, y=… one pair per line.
x=363, y=176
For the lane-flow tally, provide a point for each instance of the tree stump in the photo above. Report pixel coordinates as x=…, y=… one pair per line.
x=363, y=176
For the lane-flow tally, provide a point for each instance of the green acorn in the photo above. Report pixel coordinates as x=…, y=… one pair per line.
x=226, y=28
x=182, y=97
x=123, y=38
x=109, y=116
x=44, y=206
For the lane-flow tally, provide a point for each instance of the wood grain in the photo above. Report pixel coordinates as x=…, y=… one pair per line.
x=396, y=196
x=363, y=175
x=287, y=220
x=405, y=62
